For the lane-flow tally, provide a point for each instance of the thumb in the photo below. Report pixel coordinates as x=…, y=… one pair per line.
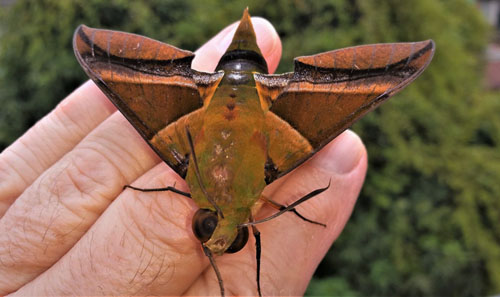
x=293, y=248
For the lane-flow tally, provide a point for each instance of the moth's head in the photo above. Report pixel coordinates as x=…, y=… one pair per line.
x=244, y=47
x=217, y=234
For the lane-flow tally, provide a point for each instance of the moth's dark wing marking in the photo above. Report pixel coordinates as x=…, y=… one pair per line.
x=328, y=92
x=150, y=82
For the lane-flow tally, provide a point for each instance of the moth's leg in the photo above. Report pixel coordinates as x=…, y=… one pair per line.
x=169, y=188
x=289, y=207
x=280, y=207
x=258, y=252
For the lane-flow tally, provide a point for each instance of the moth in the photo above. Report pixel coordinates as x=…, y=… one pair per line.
x=232, y=132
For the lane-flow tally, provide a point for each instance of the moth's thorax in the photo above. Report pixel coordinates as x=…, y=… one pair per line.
x=242, y=60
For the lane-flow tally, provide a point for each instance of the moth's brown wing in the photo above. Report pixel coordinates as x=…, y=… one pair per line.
x=328, y=92
x=151, y=83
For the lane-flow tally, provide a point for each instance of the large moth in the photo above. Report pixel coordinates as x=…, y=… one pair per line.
x=208, y=126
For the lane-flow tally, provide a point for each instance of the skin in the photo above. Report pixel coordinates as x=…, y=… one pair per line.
x=68, y=228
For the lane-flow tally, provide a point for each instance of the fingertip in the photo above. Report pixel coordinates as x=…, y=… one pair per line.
x=208, y=55
x=83, y=94
x=269, y=42
x=342, y=155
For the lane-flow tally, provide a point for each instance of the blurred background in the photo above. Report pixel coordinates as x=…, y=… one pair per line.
x=427, y=221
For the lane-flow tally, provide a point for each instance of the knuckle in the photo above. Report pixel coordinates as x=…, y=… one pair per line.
x=161, y=217
x=62, y=205
x=87, y=173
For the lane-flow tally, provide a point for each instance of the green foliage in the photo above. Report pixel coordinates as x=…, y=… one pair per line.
x=427, y=220
x=331, y=286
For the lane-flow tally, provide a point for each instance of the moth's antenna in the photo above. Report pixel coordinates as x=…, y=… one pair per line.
x=198, y=175
x=208, y=253
x=291, y=206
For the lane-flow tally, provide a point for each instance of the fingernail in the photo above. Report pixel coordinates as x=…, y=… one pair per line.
x=343, y=155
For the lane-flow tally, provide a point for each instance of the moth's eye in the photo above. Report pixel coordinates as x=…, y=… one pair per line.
x=239, y=242
x=204, y=223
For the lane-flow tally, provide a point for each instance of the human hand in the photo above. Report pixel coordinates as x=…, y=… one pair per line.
x=68, y=228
